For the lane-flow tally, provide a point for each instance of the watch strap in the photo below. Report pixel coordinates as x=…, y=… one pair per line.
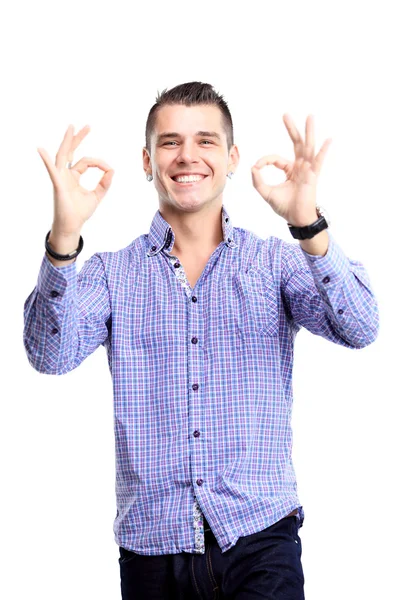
x=309, y=231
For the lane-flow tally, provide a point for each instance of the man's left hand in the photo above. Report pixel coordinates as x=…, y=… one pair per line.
x=295, y=199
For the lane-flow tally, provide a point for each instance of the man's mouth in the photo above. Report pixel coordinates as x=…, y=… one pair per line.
x=188, y=179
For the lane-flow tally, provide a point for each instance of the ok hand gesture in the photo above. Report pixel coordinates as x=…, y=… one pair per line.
x=295, y=199
x=73, y=204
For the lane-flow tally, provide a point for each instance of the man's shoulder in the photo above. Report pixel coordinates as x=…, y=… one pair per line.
x=248, y=236
x=136, y=245
x=248, y=241
x=125, y=257
x=269, y=253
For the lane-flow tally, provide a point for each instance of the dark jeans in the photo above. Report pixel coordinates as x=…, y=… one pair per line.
x=264, y=565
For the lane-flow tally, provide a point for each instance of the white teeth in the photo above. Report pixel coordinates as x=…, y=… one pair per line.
x=188, y=178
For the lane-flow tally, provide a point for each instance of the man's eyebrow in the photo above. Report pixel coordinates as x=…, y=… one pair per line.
x=209, y=134
x=174, y=134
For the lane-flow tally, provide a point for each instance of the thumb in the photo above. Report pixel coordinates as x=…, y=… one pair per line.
x=103, y=185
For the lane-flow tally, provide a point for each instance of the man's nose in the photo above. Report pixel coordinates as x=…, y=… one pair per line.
x=188, y=152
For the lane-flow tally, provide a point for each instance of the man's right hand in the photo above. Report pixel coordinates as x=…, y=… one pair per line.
x=73, y=204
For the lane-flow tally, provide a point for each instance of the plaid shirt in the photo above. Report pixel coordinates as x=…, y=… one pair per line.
x=202, y=377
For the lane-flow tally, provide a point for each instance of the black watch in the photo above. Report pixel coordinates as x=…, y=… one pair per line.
x=309, y=231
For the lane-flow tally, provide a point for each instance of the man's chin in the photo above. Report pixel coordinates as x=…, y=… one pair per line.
x=188, y=203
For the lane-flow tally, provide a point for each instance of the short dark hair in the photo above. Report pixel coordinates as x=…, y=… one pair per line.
x=190, y=94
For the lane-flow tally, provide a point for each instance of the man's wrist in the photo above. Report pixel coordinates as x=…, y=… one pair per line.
x=62, y=244
x=308, y=232
x=318, y=245
x=305, y=221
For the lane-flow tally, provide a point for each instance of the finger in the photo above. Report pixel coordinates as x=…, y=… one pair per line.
x=85, y=163
x=310, y=139
x=76, y=140
x=319, y=159
x=51, y=169
x=62, y=154
x=272, y=159
x=103, y=185
x=294, y=134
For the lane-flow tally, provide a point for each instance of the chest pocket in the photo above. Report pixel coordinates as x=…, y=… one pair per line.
x=251, y=306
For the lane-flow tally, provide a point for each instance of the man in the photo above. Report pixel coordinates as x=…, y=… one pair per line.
x=199, y=319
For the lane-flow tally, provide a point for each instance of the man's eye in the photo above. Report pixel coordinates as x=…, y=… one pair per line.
x=202, y=142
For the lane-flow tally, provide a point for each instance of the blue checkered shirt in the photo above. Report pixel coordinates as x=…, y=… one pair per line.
x=202, y=377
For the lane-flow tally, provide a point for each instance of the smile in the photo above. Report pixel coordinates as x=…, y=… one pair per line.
x=188, y=179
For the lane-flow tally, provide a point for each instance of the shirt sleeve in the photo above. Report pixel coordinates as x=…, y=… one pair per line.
x=67, y=315
x=329, y=295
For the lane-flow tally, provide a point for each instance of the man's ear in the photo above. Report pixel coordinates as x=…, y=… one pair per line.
x=146, y=161
x=234, y=158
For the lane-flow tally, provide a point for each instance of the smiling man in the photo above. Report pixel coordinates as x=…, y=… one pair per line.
x=199, y=319
x=189, y=150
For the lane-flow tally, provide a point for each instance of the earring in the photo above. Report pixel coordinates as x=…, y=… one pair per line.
x=149, y=177
x=230, y=174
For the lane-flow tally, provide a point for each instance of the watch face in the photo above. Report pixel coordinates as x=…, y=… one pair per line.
x=323, y=213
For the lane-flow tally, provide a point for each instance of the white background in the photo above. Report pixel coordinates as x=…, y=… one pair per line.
x=102, y=64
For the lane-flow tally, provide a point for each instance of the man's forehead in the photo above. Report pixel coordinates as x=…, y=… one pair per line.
x=189, y=119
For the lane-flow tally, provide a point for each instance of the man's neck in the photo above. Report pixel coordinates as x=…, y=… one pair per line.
x=196, y=233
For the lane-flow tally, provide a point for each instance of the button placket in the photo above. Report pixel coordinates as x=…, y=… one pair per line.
x=195, y=368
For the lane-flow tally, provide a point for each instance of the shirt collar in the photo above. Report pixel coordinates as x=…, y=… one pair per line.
x=161, y=235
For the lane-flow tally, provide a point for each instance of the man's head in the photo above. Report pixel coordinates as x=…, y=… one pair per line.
x=189, y=132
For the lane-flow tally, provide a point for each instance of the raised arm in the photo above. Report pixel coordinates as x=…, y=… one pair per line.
x=67, y=316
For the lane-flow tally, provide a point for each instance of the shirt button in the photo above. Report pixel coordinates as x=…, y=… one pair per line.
x=177, y=265
x=326, y=279
x=194, y=340
x=195, y=387
x=196, y=433
x=54, y=294
x=199, y=482
x=229, y=240
x=227, y=219
x=154, y=248
x=340, y=311
x=54, y=331
x=194, y=299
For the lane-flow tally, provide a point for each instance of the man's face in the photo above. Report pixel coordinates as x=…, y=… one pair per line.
x=189, y=141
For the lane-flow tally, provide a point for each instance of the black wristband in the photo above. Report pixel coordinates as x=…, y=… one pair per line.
x=69, y=256
x=308, y=232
